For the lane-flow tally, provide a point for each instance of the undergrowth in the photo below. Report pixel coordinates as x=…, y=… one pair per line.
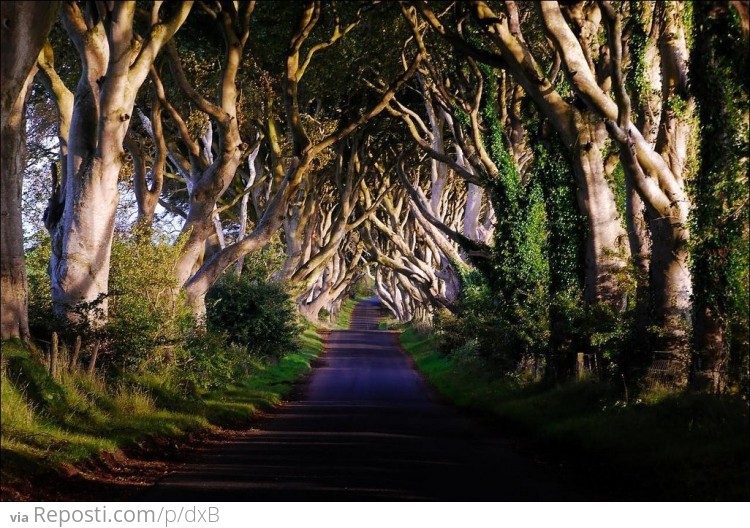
x=47, y=422
x=661, y=447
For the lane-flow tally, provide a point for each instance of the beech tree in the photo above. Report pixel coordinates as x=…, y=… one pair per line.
x=581, y=131
x=289, y=176
x=25, y=28
x=115, y=61
x=657, y=172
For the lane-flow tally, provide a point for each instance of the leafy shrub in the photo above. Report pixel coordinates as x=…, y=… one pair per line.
x=467, y=354
x=41, y=320
x=206, y=362
x=258, y=316
x=482, y=331
x=147, y=315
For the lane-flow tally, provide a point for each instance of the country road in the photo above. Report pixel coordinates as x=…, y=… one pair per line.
x=365, y=427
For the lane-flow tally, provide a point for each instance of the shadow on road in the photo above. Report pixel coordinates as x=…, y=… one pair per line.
x=366, y=427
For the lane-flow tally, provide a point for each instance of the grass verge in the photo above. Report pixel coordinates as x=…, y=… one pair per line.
x=48, y=423
x=672, y=447
x=344, y=317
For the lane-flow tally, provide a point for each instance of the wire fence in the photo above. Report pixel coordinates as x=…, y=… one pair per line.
x=668, y=371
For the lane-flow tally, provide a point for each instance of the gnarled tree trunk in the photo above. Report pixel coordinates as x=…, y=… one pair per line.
x=656, y=170
x=114, y=65
x=606, y=250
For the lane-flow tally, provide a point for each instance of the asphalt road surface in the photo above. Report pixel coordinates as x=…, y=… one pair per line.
x=366, y=427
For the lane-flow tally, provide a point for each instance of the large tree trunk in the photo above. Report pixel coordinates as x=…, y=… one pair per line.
x=657, y=171
x=25, y=28
x=671, y=278
x=671, y=284
x=720, y=45
x=14, y=306
x=114, y=65
x=640, y=251
x=82, y=239
x=606, y=250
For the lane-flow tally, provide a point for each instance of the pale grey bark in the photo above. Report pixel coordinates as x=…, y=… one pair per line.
x=605, y=247
x=253, y=172
x=474, y=197
x=115, y=65
x=656, y=170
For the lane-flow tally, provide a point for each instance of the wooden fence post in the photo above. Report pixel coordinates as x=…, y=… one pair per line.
x=74, y=358
x=92, y=363
x=53, y=356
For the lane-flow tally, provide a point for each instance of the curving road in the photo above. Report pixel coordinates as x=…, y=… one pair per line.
x=366, y=427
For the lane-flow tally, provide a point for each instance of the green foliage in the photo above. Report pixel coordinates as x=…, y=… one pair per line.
x=147, y=312
x=568, y=316
x=617, y=184
x=564, y=87
x=150, y=331
x=462, y=116
x=476, y=329
x=257, y=316
x=528, y=297
x=146, y=317
x=610, y=332
x=677, y=105
x=207, y=362
x=260, y=265
x=565, y=222
x=720, y=218
x=509, y=179
x=41, y=320
x=578, y=326
x=637, y=78
x=687, y=11
x=519, y=271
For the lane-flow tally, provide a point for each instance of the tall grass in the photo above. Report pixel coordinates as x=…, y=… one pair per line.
x=46, y=422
